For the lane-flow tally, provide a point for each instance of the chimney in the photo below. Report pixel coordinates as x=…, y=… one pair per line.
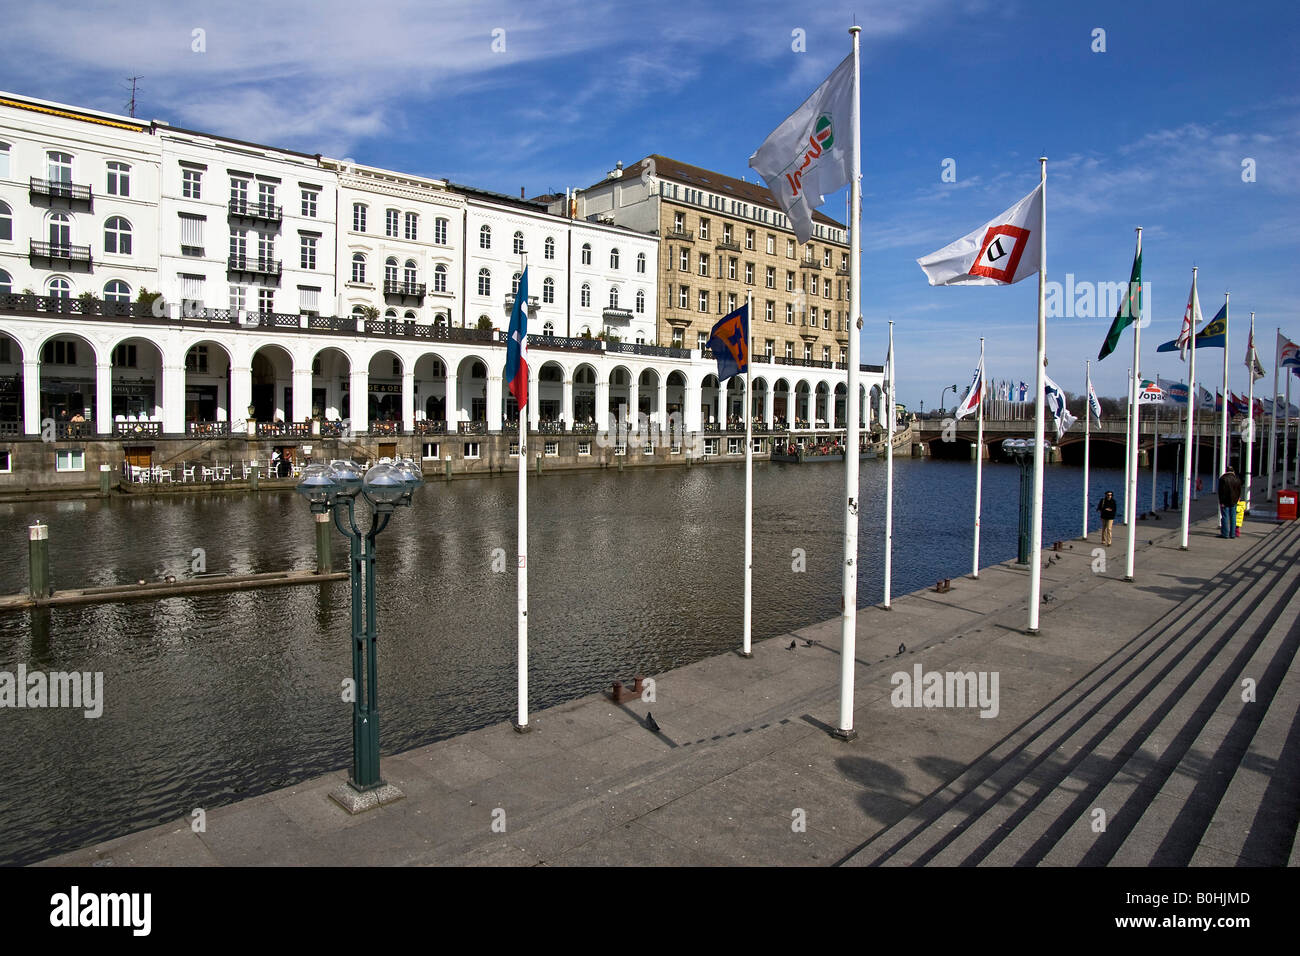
x=617, y=171
x=521, y=192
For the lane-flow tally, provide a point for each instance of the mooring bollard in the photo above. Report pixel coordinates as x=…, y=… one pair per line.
x=620, y=462
x=539, y=464
x=105, y=475
x=38, y=559
x=253, y=476
x=323, y=565
x=446, y=470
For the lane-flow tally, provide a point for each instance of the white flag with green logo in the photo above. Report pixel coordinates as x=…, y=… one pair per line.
x=811, y=153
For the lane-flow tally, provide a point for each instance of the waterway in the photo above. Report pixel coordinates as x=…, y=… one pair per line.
x=216, y=698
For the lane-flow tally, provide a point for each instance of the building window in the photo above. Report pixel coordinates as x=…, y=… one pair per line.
x=59, y=167
x=191, y=235
x=679, y=222
x=771, y=244
x=411, y=225
x=789, y=313
x=518, y=244
x=358, y=217
x=640, y=301
x=613, y=258
x=6, y=222
x=613, y=297
x=60, y=288
x=471, y=450
x=770, y=281
x=710, y=446
x=769, y=348
x=485, y=237
x=704, y=264
x=6, y=288
x=584, y=448
x=484, y=281
x=704, y=228
x=789, y=248
x=358, y=267
x=117, y=291
x=585, y=296
x=408, y=272
x=117, y=236
x=266, y=301
x=70, y=459
x=548, y=290
x=789, y=281
x=59, y=352
x=807, y=352
x=684, y=260
x=789, y=350
x=440, y=278
x=771, y=311
x=826, y=259
x=749, y=238
x=826, y=354
x=735, y=446
x=390, y=222
x=429, y=451
x=749, y=272
x=586, y=253
x=440, y=231
x=732, y=262
x=119, y=179
x=640, y=263
x=309, y=197
x=124, y=356
x=551, y=449
x=731, y=302
x=239, y=193
x=548, y=248
x=237, y=297
x=678, y=335
x=826, y=319
x=4, y=160
x=514, y=284
x=726, y=232
x=704, y=300
x=684, y=297
x=308, y=257
x=191, y=184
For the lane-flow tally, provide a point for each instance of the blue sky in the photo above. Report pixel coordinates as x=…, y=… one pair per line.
x=1151, y=132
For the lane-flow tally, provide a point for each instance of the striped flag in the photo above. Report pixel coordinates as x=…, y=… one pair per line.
x=517, y=346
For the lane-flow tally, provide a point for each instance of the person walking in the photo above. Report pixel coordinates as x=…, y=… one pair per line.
x=1107, y=507
x=1229, y=495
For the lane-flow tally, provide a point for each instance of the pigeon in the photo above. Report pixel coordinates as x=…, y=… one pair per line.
x=807, y=643
x=651, y=723
x=170, y=579
x=792, y=645
x=902, y=648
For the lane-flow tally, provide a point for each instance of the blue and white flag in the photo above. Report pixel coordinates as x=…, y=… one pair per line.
x=1056, y=403
x=1094, y=403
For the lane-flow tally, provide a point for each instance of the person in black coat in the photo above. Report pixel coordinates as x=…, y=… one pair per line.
x=1229, y=495
x=1107, y=507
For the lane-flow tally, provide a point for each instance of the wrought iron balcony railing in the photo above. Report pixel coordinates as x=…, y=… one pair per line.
x=264, y=211
x=58, y=189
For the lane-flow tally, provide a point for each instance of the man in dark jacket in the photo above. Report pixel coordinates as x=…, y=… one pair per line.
x=1107, y=507
x=1229, y=495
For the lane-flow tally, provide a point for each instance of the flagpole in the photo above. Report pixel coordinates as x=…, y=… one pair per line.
x=889, y=475
x=1192, y=306
x=979, y=463
x=1223, y=422
x=1128, y=430
x=1250, y=412
x=1087, y=438
x=521, y=723
x=1272, y=418
x=1036, y=524
x=1286, y=430
x=1155, y=455
x=749, y=474
x=1136, y=427
x=849, y=611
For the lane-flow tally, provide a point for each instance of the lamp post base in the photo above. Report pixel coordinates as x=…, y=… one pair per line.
x=845, y=735
x=359, y=801
x=522, y=728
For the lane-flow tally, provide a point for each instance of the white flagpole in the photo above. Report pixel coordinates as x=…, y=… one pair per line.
x=1128, y=431
x=1191, y=418
x=1272, y=418
x=521, y=723
x=889, y=475
x=1087, y=439
x=979, y=463
x=1036, y=524
x=1224, y=460
x=1155, y=455
x=849, y=612
x=1136, y=430
x=1250, y=415
x=749, y=475
x=1286, y=430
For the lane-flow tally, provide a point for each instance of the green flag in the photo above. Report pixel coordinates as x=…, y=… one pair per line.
x=1130, y=309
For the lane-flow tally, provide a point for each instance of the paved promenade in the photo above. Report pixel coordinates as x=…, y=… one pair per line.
x=1129, y=703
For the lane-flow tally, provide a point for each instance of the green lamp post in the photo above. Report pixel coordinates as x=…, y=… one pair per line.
x=334, y=488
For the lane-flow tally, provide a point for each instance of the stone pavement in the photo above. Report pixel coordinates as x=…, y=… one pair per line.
x=1128, y=702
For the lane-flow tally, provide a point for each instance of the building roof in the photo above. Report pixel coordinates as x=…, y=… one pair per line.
x=665, y=167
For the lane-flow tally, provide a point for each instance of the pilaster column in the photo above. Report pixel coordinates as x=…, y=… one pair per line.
x=104, y=398
x=301, y=395
x=31, y=397
x=661, y=411
x=241, y=391
x=534, y=405
x=769, y=399
x=721, y=411
x=566, y=407
x=633, y=406
x=359, y=400
x=173, y=399
x=602, y=405
x=450, y=402
x=495, y=399
x=692, y=411
x=408, y=399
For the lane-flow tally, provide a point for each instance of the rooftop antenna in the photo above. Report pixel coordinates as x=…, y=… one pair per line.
x=131, y=105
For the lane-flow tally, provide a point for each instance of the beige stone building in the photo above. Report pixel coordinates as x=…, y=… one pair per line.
x=723, y=238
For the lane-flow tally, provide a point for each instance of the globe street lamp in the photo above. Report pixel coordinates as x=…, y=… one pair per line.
x=334, y=488
x=1022, y=450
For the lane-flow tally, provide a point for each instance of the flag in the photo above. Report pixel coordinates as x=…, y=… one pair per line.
x=1215, y=333
x=1236, y=404
x=730, y=343
x=1257, y=410
x=1130, y=310
x=1288, y=353
x=1150, y=393
x=1024, y=391
x=1218, y=401
x=1191, y=319
x=517, y=346
x=1203, y=397
x=1175, y=392
x=972, y=400
x=811, y=152
x=1094, y=403
x=1000, y=252
x=1252, y=357
x=1056, y=403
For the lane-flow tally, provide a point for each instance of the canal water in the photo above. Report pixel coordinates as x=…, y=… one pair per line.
x=212, y=699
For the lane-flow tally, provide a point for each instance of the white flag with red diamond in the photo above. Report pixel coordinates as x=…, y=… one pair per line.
x=999, y=252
